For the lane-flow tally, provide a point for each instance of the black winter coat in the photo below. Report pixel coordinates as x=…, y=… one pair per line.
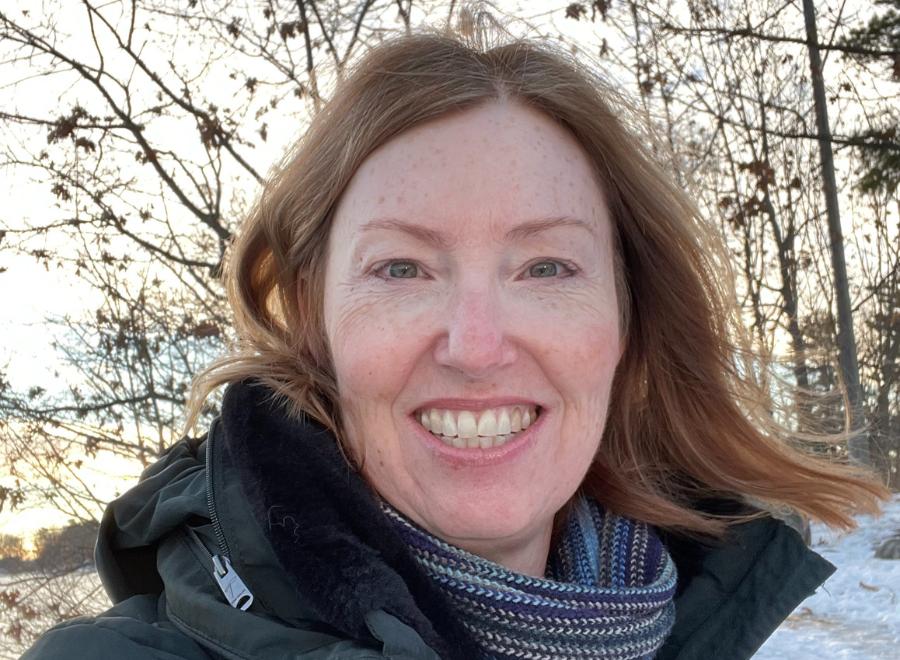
x=265, y=508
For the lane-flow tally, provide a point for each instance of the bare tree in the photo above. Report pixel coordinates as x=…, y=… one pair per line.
x=728, y=89
x=859, y=446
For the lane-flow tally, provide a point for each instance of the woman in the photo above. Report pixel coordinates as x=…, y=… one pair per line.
x=488, y=402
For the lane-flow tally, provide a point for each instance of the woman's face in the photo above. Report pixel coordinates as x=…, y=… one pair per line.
x=470, y=279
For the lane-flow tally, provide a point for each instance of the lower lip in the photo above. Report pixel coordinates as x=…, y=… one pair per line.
x=463, y=457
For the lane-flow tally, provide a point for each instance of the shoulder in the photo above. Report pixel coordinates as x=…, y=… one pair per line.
x=132, y=629
x=732, y=595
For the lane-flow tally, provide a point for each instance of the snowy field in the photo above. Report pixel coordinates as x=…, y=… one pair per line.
x=855, y=615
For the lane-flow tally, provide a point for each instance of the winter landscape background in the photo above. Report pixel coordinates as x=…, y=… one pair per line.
x=136, y=134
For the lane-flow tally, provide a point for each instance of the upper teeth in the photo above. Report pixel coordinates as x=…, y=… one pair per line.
x=487, y=423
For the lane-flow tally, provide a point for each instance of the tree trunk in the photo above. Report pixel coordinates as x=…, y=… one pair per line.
x=859, y=446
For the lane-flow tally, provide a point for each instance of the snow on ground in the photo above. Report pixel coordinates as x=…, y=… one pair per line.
x=855, y=615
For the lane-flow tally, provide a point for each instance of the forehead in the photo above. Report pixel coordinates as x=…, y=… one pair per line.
x=485, y=169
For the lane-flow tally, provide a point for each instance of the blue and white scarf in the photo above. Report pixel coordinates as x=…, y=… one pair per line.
x=607, y=593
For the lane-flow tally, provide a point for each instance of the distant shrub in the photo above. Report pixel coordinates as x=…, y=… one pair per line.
x=66, y=548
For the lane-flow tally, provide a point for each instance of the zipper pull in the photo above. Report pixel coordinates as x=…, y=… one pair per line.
x=230, y=583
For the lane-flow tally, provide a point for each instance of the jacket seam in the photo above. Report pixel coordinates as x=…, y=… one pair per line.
x=196, y=634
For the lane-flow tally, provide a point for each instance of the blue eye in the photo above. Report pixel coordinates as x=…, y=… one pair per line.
x=549, y=268
x=401, y=270
x=543, y=269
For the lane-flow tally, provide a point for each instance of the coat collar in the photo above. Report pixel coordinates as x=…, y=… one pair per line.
x=325, y=526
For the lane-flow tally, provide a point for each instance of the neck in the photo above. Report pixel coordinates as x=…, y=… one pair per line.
x=528, y=557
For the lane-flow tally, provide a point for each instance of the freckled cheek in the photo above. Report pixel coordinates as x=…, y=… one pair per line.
x=374, y=350
x=368, y=380
x=583, y=359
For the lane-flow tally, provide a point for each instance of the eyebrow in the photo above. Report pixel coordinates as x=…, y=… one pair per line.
x=439, y=240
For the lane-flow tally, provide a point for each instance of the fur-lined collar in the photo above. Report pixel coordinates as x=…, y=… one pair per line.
x=327, y=528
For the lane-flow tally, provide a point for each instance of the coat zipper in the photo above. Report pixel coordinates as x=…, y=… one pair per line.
x=230, y=583
x=210, y=501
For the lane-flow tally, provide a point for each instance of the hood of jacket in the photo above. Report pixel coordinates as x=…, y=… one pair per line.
x=303, y=534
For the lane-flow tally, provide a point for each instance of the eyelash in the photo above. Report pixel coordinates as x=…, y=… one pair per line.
x=571, y=268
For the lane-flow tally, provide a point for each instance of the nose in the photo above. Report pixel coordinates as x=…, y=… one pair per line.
x=476, y=341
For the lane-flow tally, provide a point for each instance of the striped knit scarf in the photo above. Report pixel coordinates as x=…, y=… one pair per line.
x=607, y=593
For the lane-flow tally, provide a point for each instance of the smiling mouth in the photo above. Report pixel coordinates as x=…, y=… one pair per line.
x=486, y=429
